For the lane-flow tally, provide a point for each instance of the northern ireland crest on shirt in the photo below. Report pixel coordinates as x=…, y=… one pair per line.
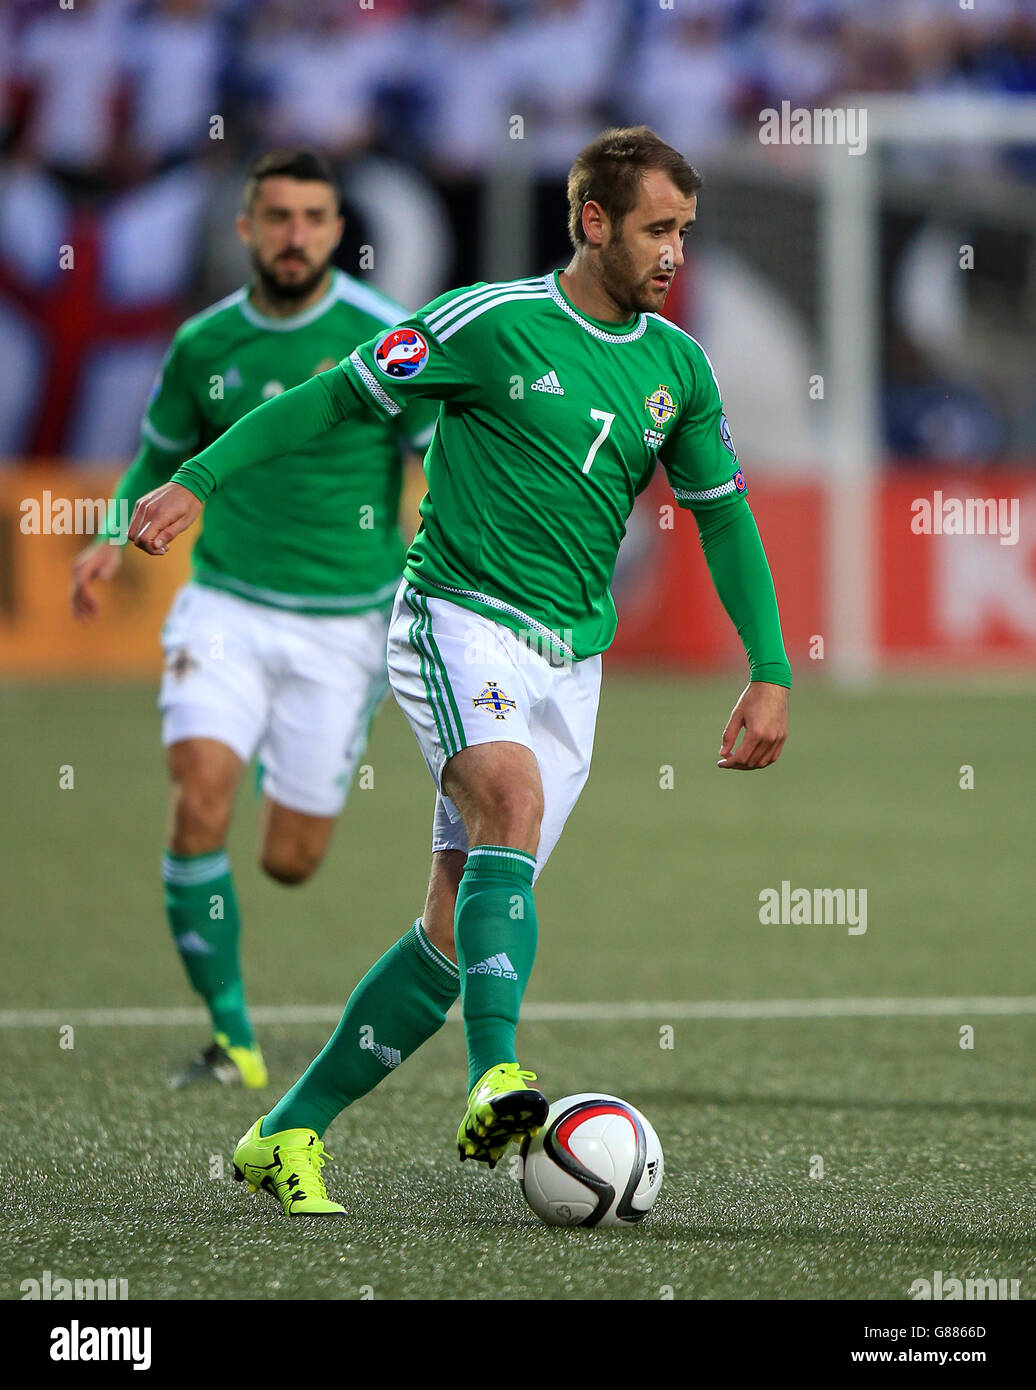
x=661, y=406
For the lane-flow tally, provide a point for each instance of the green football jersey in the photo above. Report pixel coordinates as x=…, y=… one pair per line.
x=551, y=424
x=329, y=542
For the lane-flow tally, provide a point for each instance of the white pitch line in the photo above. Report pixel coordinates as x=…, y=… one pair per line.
x=618, y=1012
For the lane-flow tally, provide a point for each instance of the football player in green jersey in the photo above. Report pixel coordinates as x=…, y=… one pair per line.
x=277, y=645
x=560, y=396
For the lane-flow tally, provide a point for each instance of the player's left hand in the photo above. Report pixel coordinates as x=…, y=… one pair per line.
x=762, y=711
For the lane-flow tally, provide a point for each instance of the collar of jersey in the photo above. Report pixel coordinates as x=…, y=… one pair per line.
x=617, y=332
x=277, y=325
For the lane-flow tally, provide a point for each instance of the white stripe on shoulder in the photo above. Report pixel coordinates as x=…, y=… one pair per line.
x=660, y=318
x=162, y=441
x=441, y=316
x=227, y=302
x=370, y=300
x=480, y=309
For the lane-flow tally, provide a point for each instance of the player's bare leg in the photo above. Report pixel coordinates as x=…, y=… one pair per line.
x=498, y=790
x=440, y=904
x=293, y=844
x=202, y=906
x=204, y=774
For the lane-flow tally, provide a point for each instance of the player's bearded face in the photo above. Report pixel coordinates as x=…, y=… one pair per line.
x=620, y=276
x=291, y=236
x=633, y=274
x=288, y=275
x=643, y=252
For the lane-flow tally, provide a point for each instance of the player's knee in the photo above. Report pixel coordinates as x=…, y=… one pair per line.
x=511, y=816
x=200, y=815
x=290, y=863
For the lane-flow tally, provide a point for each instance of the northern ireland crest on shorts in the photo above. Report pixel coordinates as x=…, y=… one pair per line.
x=494, y=701
x=181, y=663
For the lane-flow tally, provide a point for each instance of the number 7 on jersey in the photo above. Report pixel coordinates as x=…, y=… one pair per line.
x=598, y=415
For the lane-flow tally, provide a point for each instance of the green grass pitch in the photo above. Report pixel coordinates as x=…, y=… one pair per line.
x=652, y=897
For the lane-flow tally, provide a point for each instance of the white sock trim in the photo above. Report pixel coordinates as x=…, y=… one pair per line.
x=201, y=870
x=433, y=953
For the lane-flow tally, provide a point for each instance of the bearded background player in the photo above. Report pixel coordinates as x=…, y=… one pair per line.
x=277, y=645
x=560, y=395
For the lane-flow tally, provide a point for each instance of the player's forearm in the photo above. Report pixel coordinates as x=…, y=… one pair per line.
x=276, y=427
x=150, y=469
x=738, y=565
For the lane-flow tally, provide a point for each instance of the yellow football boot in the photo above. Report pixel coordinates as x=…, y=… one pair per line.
x=501, y=1108
x=286, y=1165
x=229, y=1066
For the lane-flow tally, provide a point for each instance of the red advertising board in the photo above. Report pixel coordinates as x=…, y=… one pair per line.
x=949, y=591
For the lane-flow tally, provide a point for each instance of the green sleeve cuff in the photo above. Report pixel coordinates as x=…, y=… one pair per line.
x=276, y=427
x=777, y=674
x=737, y=562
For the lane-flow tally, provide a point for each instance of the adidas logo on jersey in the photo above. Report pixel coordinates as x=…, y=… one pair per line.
x=497, y=965
x=550, y=384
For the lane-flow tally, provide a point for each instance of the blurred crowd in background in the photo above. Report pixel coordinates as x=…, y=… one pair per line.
x=125, y=125
x=119, y=88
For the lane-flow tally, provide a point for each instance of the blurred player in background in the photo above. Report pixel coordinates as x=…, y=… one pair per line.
x=561, y=395
x=276, y=646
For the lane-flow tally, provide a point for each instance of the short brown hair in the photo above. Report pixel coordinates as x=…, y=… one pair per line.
x=611, y=168
x=291, y=163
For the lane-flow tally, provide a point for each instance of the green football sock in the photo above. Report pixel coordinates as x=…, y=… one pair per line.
x=400, y=1002
x=202, y=909
x=496, y=947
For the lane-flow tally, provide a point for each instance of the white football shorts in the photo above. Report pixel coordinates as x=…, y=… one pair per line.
x=462, y=679
x=296, y=690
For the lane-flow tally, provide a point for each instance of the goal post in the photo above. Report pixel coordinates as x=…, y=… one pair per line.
x=850, y=297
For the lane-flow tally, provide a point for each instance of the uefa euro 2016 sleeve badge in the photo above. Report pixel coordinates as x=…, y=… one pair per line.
x=401, y=353
x=494, y=701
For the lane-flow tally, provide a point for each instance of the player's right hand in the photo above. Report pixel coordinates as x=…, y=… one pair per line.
x=90, y=565
x=161, y=515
